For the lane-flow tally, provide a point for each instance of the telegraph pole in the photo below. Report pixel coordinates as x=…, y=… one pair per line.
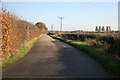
x=51, y=27
x=61, y=23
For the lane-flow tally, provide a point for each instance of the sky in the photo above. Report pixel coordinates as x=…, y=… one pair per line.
x=77, y=15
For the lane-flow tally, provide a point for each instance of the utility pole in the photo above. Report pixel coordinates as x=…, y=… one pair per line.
x=119, y=16
x=61, y=23
x=51, y=27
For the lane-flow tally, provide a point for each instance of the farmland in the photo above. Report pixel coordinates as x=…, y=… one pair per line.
x=59, y=40
x=18, y=37
x=103, y=47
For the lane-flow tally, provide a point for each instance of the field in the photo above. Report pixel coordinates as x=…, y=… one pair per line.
x=103, y=47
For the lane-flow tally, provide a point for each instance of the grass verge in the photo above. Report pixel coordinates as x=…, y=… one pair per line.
x=20, y=53
x=109, y=62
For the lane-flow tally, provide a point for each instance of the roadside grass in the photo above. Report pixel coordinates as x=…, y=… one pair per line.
x=109, y=62
x=20, y=53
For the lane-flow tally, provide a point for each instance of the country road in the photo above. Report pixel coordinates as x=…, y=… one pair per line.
x=52, y=58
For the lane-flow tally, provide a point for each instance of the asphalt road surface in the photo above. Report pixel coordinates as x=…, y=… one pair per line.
x=51, y=58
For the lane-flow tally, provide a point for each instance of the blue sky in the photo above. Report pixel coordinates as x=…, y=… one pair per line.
x=78, y=15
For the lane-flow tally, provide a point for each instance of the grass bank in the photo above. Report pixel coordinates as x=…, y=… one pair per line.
x=109, y=62
x=20, y=53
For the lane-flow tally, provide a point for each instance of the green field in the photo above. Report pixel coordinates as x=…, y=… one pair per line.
x=103, y=47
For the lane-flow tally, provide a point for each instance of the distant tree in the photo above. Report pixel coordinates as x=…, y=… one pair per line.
x=42, y=27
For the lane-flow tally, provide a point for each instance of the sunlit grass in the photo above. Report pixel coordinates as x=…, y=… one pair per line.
x=110, y=63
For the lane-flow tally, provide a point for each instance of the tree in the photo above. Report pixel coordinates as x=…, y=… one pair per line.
x=42, y=27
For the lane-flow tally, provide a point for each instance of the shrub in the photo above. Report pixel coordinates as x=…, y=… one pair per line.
x=15, y=32
x=105, y=42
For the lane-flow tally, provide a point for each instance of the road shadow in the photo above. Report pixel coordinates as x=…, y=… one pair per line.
x=77, y=64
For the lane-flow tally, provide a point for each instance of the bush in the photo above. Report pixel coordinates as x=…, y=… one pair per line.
x=15, y=32
x=105, y=42
x=42, y=27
